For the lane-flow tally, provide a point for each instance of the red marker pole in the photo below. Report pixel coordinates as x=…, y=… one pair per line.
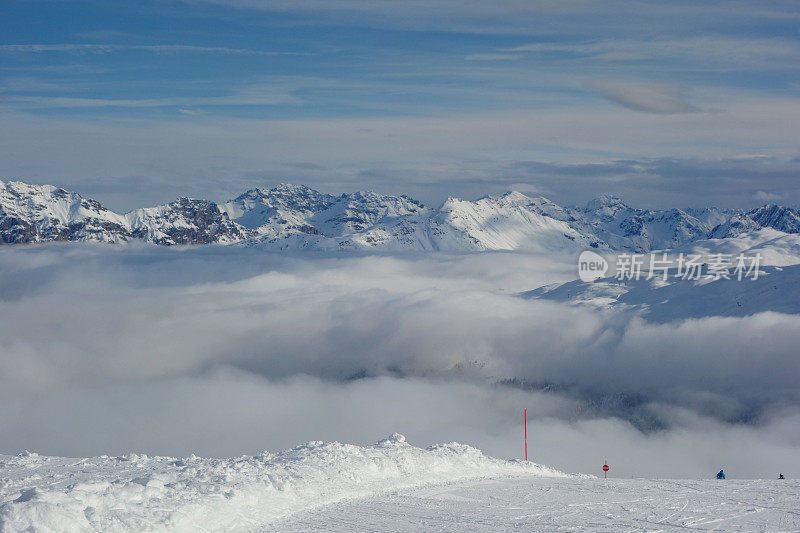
x=525, y=421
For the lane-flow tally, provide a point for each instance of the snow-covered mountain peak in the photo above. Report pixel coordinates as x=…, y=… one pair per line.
x=506, y=200
x=360, y=211
x=293, y=188
x=293, y=196
x=517, y=197
x=185, y=221
x=607, y=200
x=606, y=205
x=514, y=221
x=785, y=219
x=296, y=216
x=36, y=213
x=286, y=195
x=266, y=210
x=642, y=230
x=781, y=218
x=49, y=199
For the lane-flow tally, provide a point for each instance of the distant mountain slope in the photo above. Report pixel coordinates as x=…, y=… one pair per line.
x=640, y=230
x=38, y=213
x=510, y=222
x=778, y=290
x=295, y=216
x=269, y=212
x=185, y=221
x=776, y=247
x=298, y=217
x=785, y=219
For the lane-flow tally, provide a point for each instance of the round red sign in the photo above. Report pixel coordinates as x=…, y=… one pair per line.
x=605, y=468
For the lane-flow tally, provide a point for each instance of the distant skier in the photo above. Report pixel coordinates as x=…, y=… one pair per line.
x=721, y=474
x=780, y=476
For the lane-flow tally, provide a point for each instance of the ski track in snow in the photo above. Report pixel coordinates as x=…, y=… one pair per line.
x=568, y=504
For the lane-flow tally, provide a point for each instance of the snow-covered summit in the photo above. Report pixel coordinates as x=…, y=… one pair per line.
x=785, y=219
x=37, y=213
x=627, y=228
x=298, y=216
x=40, y=213
x=185, y=221
x=283, y=204
x=606, y=206
x=510, y=222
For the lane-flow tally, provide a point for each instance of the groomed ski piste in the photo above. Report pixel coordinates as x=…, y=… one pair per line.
x=389, y=486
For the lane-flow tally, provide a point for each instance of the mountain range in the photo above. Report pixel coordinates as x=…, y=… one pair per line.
x=298, y=217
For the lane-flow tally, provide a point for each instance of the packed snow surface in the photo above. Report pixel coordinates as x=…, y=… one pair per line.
x=572, y=504
x=390, y=486
x=141, y=493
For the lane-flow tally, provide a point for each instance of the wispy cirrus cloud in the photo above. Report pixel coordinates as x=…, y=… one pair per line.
x=54, y=102
x=27, y=93
x=714, y=51
x=493, y=57
x=769, y=196
x=647, y=97
x=513, y=17
x=571, y=154
x=458, y=93
x=82, y=48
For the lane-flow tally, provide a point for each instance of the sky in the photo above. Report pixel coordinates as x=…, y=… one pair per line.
x=670, y=103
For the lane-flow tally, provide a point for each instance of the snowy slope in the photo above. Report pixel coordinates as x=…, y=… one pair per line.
x=138, y=493
x=780, y=218
x=40, y=213
x=509, y=222
x=297, y=217
x=37, y=213
x=281, y=209
x=776, y=289
x=626, y=228
x=185, y=221
x=776, y=247
x=574, y=504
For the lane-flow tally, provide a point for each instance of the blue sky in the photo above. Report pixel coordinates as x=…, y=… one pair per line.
x=663, y=103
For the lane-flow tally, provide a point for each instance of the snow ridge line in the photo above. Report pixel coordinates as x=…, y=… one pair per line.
x=296, y=217
x=141, y=493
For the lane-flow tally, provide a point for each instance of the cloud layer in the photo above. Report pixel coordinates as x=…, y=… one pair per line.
x=223, y=351
x=208, y=158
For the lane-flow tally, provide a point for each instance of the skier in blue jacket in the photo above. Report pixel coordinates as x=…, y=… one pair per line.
x=721, y=474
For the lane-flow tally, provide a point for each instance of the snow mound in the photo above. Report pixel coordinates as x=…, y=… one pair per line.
x=141, y=493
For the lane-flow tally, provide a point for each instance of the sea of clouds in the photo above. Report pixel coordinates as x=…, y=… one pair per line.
x=226, y=351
